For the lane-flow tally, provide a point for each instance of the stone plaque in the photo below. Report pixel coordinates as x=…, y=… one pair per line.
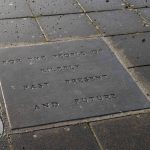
x=64, y=81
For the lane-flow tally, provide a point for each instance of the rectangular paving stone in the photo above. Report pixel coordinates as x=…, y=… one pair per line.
x=122, y=22
x=67, y=26
x=73, y=80
x=19, y=30
x=14, y=9
x=139, y=3
x=53, y=7
x=64, y=138
x=101, y=5
x=127, y=133
x=135, y=47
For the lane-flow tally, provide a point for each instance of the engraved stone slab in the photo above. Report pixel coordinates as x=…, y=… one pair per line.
x=134, y=47
x=100, y=5
x=122, y=22
x=19, y=30
x=14, y=9
x=53, y=7
x=139, y=3
x=65, y=81
x=124, y=133
x=65, y=138
x=66, y=26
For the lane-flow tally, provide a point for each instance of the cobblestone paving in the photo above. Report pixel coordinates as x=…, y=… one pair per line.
x=111, y=110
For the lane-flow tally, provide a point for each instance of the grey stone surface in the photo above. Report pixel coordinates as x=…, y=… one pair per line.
x=65, y=81
x=119, y=22
x=128, y=133
x=135, y=47
x=53, y=7
x=19, y=30
x=1, y=127
x=100, y=5
x=4, y=143
x=14, y=8
x=77, y=137
x=139, y=3
x=146, y=13
x=143, y=74
x=66, y=26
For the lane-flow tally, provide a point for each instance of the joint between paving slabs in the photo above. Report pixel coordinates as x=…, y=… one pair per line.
x=75, y=122
x=130, y=7
x=95, y=136
x=139, y=66
x=40, y=27
x=93, y=23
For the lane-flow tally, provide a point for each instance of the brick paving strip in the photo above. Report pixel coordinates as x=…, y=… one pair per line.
x=75, y=74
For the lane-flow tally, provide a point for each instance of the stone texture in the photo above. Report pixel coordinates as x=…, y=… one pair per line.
x=19, y=31
x=53, y=7
x=146, y=13
x=4, y=143
x=69, y=81
x=139, y=3
x=118, y=22
x=1, y=127
x=67, y=26
x=101, y=5
x=135, y=47
x=77, y=137
x=14, y=8
x=143, y=74
x=128, y=133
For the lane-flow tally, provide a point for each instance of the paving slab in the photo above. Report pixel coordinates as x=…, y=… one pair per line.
x=4, y=143
x=143, y=75
x=19, y=30
x=139, y=3
x=64, y=138
x=65, y=81
x=67, y=26
x=122, y=22
x=135, y=47
x=101, y=5
x=146, y=13
x=14, y=9
x=128, y=133
x=53, y=7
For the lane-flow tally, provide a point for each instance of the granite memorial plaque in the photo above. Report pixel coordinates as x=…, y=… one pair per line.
x=64, y=81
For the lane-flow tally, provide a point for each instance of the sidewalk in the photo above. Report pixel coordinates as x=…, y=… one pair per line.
x=75, y=74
